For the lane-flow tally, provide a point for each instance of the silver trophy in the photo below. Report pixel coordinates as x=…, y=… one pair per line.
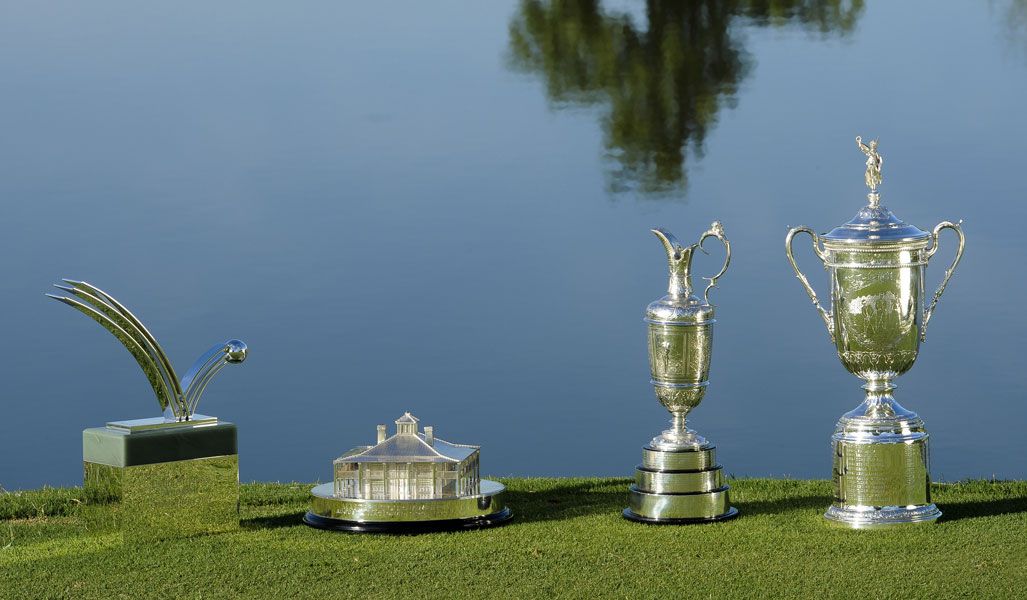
x=409, y=482
x=174, y=475
x=877, y=321
x=679, y=480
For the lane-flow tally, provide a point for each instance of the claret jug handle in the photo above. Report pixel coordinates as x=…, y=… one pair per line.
x=680, y=260
x=948, y=272
x=716, y=230
x=825, y=315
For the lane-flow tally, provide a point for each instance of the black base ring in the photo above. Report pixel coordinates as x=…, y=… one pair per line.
x=408, y=527
x=631, y=516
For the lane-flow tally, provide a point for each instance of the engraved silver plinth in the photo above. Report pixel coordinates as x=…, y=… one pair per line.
x=877, y=264
x=679, y=480
x=175, y=475
x=409, y=482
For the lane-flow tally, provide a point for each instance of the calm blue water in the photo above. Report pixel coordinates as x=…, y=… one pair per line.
x=444, y=208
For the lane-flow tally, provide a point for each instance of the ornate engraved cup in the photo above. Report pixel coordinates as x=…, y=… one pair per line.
x=681, y=338
x=877, y=321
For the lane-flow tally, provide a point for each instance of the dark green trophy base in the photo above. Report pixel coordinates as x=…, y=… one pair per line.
x=163, y=483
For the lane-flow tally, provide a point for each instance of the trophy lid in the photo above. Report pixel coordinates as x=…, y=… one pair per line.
x=874, y=223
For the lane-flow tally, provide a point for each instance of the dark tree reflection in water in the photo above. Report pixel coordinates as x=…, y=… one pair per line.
x=662, y=86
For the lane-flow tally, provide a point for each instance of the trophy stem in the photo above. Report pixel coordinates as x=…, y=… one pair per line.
x=678, y=423
x=879, y=402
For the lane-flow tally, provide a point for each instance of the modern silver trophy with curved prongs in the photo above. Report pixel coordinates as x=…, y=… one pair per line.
x=679, y=480
x=187, y=461
x=177, y=398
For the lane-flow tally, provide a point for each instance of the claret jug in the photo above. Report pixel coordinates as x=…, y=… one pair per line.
x=877, y=320
x=679, y=480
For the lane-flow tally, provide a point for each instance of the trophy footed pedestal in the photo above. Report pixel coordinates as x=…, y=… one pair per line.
x=679, y=480
x=165, y=477
x=877, y=321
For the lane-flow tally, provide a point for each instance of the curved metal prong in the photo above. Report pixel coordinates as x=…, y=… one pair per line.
x=161, y=356
x=203, y=381
x=144, y=341
x=201, y=364
x=207, y=366
x=146, y=362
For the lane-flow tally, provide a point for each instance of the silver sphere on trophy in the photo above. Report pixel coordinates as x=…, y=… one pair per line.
x=877, y=321
x=679, y=480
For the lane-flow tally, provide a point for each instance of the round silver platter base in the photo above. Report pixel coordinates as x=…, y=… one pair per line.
x=408, y=516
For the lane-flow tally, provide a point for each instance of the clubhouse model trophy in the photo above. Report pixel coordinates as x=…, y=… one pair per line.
x=410, y=482
x=679, y=480
x=170, y=476
x=877, y=321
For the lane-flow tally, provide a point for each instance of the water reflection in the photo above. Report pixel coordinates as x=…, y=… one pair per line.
x=1014, y=19
x=663, y=85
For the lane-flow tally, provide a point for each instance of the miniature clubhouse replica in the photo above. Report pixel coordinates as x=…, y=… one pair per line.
x=407, y=483
x=679, y=480
x=877, y=322
x=175, y=475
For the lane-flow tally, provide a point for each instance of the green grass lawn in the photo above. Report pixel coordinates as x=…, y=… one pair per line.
x=567, y=540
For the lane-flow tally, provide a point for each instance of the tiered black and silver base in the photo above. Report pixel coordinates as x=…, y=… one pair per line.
x=676, y=487
x=408, y=516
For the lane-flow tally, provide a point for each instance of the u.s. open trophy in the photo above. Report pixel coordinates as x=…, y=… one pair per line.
x=877, y=321
x=171, y=476
x=679, y=480
x=410, y=482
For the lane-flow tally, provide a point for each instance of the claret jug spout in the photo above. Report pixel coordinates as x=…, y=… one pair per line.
x=877, y=320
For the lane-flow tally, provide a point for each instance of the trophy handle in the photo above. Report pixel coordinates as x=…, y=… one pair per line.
x=825, y=315
x=716, y=230
x=948, y=272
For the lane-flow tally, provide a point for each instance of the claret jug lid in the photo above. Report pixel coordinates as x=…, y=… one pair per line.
x=874, y=223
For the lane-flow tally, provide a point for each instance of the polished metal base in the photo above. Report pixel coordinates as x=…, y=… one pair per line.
x=408, y=516
x=881, y=469
x=135, y=425
x=164, y=483
x=679, y=487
